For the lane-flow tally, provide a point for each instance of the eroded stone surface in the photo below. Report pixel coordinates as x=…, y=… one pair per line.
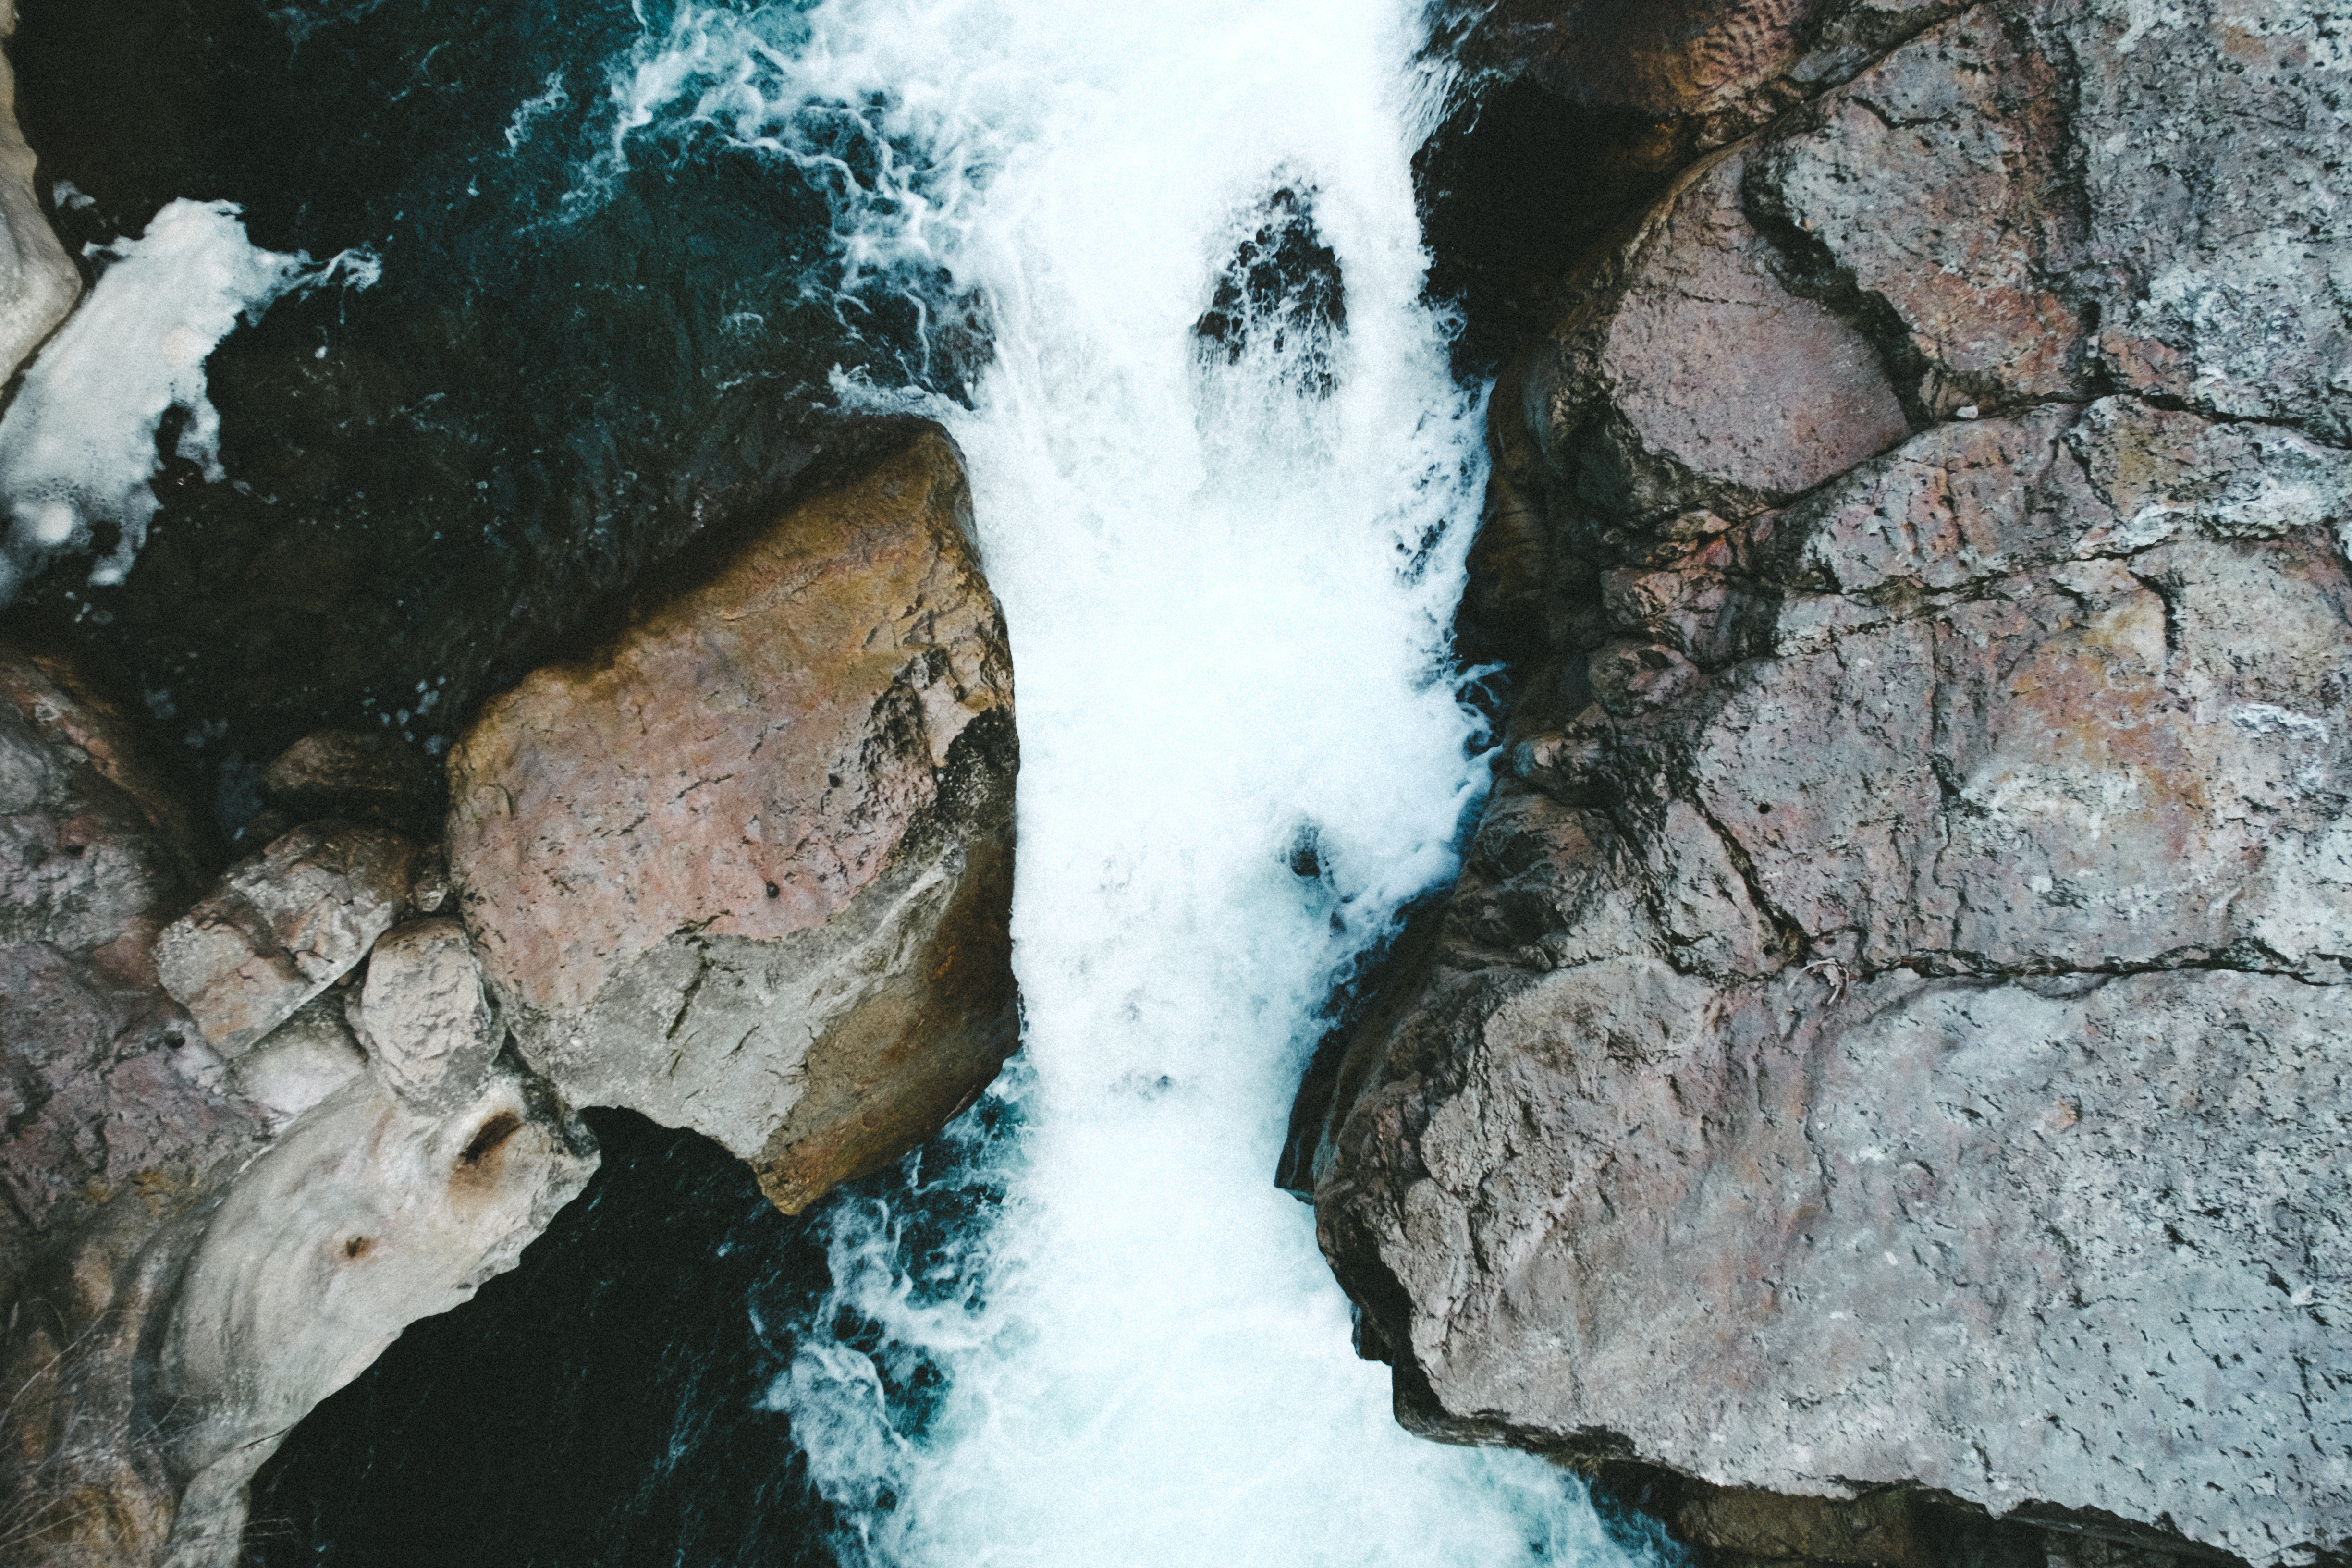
x=38, y=282
x=367, y=1216
x=422, y=1016
x=1890, y=1027
x=283, y=926
x=196, y=1251
x=748, y=870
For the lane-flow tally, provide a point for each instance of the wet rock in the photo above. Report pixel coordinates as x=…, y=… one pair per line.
x=1569, y=117
x=38, y=282
x=747, y=869
x=281, y=926
x=369, y=1214
x=1890, y=1027
x=422, y=1014
x=1282, y=294
x=356, y=773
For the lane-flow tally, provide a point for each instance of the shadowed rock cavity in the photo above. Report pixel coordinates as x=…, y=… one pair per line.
x=1890, y=1030
x=1568, y=119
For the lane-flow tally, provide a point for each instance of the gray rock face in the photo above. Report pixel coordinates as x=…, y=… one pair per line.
x=282, y=927
x=196, y=1250
x=1891, y=1026
x=423, y=1015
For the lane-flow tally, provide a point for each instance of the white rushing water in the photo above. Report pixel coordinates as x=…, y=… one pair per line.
x=1228, y=599
x=79, y=444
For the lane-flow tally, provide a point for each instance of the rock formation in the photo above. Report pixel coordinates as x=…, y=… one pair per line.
x=1892, y=1026
x=221, y=1212
x=749, y=869
x=38, y=282
x=249, y=1142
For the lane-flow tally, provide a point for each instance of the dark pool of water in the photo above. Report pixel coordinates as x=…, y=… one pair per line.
x=601, y=1404
x=572, y=365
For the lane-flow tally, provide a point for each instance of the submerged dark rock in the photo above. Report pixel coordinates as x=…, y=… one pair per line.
x=1282, y=294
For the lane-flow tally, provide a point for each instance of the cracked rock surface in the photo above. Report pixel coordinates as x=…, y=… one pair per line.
x=1892, y=1025
x=747, y=869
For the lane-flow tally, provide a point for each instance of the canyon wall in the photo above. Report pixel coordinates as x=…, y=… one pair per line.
x=1891, y=1029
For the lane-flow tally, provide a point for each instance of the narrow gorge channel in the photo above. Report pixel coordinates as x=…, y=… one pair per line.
x=1161, y=278
x=1224, y=482
x=923, y=783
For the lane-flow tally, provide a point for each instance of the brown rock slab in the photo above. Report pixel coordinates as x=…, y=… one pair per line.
x=281, y=926
x=748, y=869
x=357, y=773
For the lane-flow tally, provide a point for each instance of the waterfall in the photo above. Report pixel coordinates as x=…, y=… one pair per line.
x=1229, y=558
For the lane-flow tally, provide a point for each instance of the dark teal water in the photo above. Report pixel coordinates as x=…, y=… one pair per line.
x=605, y=1404
x=581, y=354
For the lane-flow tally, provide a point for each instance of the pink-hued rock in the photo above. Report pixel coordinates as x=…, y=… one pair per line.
x=1686, y=373
x=282, y=926
x=748, y=869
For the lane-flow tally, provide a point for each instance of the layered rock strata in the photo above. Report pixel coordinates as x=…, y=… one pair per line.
x=749, y=869
x=1891, y=1028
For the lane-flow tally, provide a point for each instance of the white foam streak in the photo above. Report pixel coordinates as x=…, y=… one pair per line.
x=79, y=444
x=1228, y=600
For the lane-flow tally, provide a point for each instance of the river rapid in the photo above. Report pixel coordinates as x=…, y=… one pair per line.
x=1159, y=271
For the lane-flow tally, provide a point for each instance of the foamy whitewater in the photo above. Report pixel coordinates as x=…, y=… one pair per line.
x=1228, y=599
x=79, y=444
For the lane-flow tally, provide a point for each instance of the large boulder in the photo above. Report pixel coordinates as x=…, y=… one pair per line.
x=1892, y=1026
x=748, y=869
